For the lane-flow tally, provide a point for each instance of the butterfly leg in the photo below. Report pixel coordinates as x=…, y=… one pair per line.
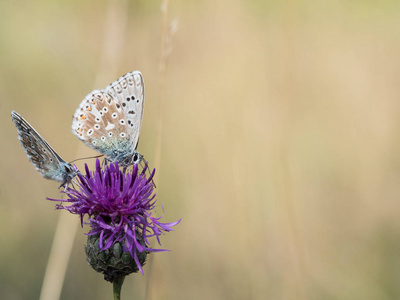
x=146, y=168
x=64, y=184
x=73, y=181
x=105, y=161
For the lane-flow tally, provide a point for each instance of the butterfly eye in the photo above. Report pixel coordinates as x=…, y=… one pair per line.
x=136, y=158
x=90, y=131
x=98, y=119
x=68, y=169
x=105, y=109
x=103, y=138
x=110, y=134
x=114, y=115
x=97, y=126
x=122, y=134
x=122, y=122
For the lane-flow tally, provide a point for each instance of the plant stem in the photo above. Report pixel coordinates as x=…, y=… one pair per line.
x=117, y=285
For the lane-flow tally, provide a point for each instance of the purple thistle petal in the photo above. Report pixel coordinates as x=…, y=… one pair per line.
x=151, y=176
x=87, y=171
x=119, y=206
x=98, y=168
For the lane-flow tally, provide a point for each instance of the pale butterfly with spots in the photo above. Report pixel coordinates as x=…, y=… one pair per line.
x=47, y=162
x=109, y=120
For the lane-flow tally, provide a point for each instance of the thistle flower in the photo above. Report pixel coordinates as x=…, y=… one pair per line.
x=119, y=205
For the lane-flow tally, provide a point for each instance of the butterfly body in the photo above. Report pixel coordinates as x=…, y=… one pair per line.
x=46, y=161
x=109, y=120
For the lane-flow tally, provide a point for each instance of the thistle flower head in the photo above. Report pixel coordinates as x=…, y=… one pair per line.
x=119, y=205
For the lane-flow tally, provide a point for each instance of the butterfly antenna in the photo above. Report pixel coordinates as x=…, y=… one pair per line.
x=86, y=158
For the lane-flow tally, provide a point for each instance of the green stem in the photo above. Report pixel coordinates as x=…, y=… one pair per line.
x=117, y=285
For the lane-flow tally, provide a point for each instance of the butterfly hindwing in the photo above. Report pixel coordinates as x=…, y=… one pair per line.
x=97, y=122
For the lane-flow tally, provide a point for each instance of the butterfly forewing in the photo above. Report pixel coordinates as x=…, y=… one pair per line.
x=109, y=120
x=129, y=91
x=44, y=158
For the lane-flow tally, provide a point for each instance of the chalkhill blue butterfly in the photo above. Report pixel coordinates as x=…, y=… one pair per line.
x=47, y=162
x=109, y=120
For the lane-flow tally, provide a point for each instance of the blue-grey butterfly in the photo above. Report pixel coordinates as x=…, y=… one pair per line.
x=109, y=120
x=47, y=162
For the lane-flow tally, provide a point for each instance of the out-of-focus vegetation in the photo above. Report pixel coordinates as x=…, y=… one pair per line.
x=280, y=145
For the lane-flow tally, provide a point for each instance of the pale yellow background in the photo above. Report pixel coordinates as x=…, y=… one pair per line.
x=280, y=146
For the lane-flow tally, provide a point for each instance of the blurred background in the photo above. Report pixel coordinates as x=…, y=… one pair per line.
x=279, y=148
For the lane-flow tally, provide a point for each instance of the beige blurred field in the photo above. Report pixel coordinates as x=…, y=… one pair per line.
x=280, y=145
